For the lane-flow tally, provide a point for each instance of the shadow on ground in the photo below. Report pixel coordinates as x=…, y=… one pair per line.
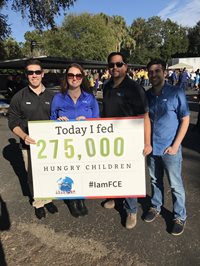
x=4, y=225
x=13, y=154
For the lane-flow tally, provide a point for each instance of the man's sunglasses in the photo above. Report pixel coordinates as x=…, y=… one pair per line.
x=31, y=72
x=71, y=76
x=117, y=64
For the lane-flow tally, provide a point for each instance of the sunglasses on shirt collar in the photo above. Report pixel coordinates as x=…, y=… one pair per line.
x=31, y=72
x=117, y=64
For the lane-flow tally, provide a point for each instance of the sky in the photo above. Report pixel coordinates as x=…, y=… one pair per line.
x=184, y=12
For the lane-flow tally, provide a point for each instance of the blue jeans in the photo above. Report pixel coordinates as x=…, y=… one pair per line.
x=184, y=85
x=130, y=205
x=172, y=165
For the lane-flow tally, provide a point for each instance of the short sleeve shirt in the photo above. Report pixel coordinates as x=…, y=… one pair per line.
x=166, y=112
x=128, y=99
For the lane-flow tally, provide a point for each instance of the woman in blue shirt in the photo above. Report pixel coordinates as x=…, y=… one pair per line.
x=74, y=102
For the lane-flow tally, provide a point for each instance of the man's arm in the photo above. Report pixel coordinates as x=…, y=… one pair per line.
x=180, y=135
x=147, y=135
x=20, y=133
x=14, y=120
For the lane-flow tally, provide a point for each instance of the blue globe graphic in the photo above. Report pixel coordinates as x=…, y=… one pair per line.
x=65, y=184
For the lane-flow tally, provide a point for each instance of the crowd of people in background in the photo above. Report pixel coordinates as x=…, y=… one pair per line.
x=96, y=78
x=184, y=78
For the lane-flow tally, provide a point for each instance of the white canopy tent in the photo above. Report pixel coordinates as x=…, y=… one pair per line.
x=181, y=66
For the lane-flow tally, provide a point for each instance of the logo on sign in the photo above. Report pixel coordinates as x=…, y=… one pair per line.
x=66, y=185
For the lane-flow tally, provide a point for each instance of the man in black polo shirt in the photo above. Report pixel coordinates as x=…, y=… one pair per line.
x=124, y=97
x=29, y=104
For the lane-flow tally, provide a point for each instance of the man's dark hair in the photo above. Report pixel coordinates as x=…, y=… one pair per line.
x=32, y=62
x=116, y=53
x=157, y=61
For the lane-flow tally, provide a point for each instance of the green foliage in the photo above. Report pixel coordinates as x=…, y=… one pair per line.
x=157, y=38
x=82, y=36
x=194, y=40
x=41, y=13
x=4, y=27
x=175, y=39
x=93, y=37
x=38, y=49
x=12, y=49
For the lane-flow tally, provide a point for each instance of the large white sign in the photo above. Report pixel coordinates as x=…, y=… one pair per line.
x=98, y=158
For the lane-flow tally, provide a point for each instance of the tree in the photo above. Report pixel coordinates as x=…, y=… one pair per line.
x=138, y=33
x=4, y=30
x=40, y=14
x=82, y=36
x=157, y=38
x=121, y=31
x=12, y=49
x=38, y=49
x=194, y=40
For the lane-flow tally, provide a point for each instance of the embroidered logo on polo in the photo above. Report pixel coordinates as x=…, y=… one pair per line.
x=120, y=94
x=47, y=102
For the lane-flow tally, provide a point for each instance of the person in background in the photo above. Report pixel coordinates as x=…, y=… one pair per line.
x=197, y=80
x=192, y=79
x=146, y=78
x=75, y=101
x=106, y=76
x=123, y=97
x=29, y=104
x=10, y=87
x=169, y=115
x=174, y=78
x=183, y=79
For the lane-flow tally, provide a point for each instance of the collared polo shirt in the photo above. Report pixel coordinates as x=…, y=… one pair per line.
x=166, y=112
x=63, y=105
x=128, y=99
x=26, y=106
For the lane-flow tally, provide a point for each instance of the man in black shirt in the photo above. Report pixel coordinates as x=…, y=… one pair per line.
x=124, y=97
x=31, y=103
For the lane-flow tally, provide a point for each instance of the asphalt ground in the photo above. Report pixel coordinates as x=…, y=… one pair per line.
x=99, y=238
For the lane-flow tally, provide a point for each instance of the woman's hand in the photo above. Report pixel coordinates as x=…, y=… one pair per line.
x=80, y=118
x=62, y=118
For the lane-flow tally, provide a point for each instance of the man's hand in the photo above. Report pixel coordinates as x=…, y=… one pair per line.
x=171, y=150
x=147, y=150
x=28, y=140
